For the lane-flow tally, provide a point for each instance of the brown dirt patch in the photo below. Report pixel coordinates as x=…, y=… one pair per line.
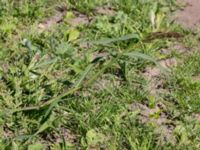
x=162, y=35
x=79, y=19
x=153, y=115
x=196, y=78
x=7, y=133
x=196, y=117
x=189, y=16
x=106, y=82
x=4, y=67
x=54, y=137
x=56, y=18
x=178, y=48
x=155, y=71
x=104, y=10
x=157, y=117
x=153, y=75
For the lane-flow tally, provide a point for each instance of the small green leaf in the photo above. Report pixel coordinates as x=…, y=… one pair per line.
x=69, y=15
x=45, y=63
x=14, y=146
x=46, y=125
x=64, y=48
x=93, y=138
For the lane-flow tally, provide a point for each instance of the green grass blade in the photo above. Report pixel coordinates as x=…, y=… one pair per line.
x=83, y=76
x=79, y=82
x=145, y=57
x=107, y=41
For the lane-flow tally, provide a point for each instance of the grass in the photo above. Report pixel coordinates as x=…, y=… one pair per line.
x=73, y=87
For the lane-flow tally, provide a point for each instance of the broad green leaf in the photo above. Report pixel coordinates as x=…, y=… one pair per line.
x=36, y=146
x=73, y=34
x=69, y=15
x=159, y=19
x=14, y=146
x=23, y=137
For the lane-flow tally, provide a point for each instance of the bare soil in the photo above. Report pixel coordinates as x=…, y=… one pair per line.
x=189, y=16
x=157, y=117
